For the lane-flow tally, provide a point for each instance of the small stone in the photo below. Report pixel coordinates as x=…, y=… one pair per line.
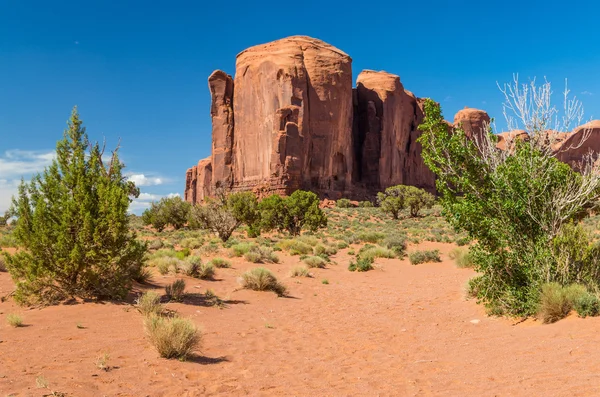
x=475, y=321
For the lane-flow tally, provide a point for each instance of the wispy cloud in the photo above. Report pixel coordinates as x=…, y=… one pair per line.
x=587, y=93
x=143, y=180
x=17, y=163
x=145, y=199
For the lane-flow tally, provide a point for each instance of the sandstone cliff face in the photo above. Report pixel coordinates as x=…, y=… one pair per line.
x=293, y=113
x=290, y=120
x=221, y=111
x=387, y=121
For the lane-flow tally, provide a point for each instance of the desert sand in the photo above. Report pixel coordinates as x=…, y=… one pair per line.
x=400, y=330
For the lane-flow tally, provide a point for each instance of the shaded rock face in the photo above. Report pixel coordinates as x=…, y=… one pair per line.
x=198, y=181
x=386, y=129
x=293, y=115
x=221, y=112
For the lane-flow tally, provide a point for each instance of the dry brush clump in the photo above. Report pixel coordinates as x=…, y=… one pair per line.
x=424, y=256
x=261, y=279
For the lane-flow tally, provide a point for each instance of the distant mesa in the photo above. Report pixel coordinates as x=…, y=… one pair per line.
x=290, y=119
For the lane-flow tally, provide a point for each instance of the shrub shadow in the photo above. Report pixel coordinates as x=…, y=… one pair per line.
x=196, y=299
x=203, y=360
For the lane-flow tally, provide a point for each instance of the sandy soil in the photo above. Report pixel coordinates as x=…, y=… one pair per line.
x=400, y=330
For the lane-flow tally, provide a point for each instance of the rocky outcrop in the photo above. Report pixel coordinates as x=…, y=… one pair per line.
x=198, y=181
x=387, y=120
x=293, y=114
x=474, y=122
x=220, y=85
x=583, y=141
x=290, y=120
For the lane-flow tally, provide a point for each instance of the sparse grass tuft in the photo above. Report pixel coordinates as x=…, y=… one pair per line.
x=149, y=303
x=220, y=263
x=300, y=271
x=173, y=337
x=14, y=320
x=261, y=254
x=418, y=257
x=176, y=290
x=241, y=249
x=554, y=303
x=462, y=257
x=315, y=261
x=261, y=279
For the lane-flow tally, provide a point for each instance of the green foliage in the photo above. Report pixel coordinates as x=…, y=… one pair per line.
x=261, y=279
x=365, y=204
x=517, y=210
x=396, y=243
x=244, y=207
x=361, y=264
x=72, y=226
x=424, y=256
x=396, y=198
x=14, y=320
x=241, y=249
x=220, y=263
x=261, y=254
x=297, y=212
x=372, y=253
x=295, y=246
x=343, y=203
x=370, y=237
x=172, y=211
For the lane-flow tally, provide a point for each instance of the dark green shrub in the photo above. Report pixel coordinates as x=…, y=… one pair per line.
x=172, y=211
x=343, y=203
x=365, y=204
x=294, y=213
x=361, y=264
x=72, y=226
x=244, y=207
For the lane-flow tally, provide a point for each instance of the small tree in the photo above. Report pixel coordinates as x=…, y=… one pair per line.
x=172, y=211
x=392, y=200
x=244, y=207
x=4, y=219
x=72, y=226
x=298, y=211
x=216, y=217
x=516, y=202
x=416, y=199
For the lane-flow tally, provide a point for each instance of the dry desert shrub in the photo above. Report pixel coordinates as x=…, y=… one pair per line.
x=220, y=263
x=14, y=320
x=418, y=257
x=261, y=279
x=149, y=303
x=462, y=257
x=175, y=291
x=300, y=271
x=315, y=261
x=173, y=337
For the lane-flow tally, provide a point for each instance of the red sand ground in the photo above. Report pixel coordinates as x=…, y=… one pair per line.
x=400, y=330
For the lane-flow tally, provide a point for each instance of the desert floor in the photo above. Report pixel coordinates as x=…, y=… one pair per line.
x=400, y=330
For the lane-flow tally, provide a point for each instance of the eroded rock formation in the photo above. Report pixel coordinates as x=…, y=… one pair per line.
x=290, y=120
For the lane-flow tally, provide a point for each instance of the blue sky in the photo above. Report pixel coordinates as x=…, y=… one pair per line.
x=138, y=70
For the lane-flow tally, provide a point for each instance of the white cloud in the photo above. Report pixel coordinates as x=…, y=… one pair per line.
x=143, y=180
x=587, y=93
x=17, y=163
x=144, y=200
x=171, y=195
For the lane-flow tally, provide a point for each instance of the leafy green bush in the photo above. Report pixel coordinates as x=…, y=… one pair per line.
x=424, y=256
x=365, y=204
x=293, y=213
x=173, y=337
x=244, y=207
x=215, y=216
x=376, y=252
x=343, y=203
x=72, y=226
x=584, y=303
x=398, y=197
x=261, y=279
x=521, y=205
x=172, y=211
